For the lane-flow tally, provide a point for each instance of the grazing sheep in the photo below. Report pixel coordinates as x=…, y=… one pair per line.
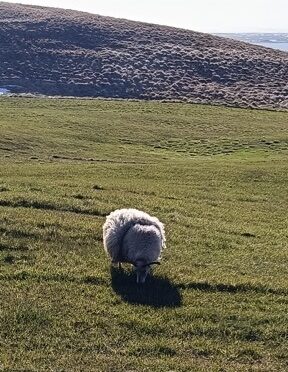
x=133, y=236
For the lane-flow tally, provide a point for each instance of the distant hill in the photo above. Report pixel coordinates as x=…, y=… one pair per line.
x=271, y=40
x=64, y=52
x=258, y=37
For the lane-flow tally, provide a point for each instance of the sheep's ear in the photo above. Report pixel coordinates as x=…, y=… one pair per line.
x=155, y=263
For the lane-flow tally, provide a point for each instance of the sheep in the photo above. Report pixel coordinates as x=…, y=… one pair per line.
x=135, y=237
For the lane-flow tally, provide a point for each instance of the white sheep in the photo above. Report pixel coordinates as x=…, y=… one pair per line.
x=135, y=237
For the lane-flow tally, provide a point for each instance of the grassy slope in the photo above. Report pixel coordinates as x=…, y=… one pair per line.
x=217, y=177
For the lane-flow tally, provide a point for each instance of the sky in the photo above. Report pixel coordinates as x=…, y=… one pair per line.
x=198, y=15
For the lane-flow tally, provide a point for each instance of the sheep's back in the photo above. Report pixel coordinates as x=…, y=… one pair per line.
x=142, y=243
x=119, y=222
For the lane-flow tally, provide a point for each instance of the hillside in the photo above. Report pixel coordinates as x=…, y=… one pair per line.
x=62, y=52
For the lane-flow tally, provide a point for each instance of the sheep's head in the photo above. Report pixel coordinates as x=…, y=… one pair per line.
x=142, y=270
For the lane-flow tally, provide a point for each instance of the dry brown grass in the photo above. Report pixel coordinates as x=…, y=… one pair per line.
x=61, y=52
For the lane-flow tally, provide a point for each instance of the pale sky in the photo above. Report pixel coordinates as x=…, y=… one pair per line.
x=197, y=15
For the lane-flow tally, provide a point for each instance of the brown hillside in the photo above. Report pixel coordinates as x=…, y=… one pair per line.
x=62, y=52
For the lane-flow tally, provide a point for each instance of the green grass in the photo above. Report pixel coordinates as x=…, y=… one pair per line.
x=216, y=177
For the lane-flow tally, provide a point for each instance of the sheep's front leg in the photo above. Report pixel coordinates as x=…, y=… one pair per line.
x=117, y=264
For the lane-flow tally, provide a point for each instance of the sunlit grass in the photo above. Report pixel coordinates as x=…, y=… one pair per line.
x=219, y=299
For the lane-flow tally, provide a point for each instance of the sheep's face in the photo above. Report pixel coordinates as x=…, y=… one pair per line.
x=142, y=270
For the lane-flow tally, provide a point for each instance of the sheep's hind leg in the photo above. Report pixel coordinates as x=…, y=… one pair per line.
x=120, y=266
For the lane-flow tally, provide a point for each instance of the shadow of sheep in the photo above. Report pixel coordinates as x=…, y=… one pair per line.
x=156, y=292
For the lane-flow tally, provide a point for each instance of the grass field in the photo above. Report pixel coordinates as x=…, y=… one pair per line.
x=216, y=177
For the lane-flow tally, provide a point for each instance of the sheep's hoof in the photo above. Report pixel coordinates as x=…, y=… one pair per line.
x=117, y=264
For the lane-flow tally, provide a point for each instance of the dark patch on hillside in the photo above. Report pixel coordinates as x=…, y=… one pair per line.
x=61, y=52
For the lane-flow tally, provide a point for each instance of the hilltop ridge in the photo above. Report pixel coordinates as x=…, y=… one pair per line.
x=64, y=52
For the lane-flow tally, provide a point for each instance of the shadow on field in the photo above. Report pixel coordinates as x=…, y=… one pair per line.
x=230, y=288
x=156, y=292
